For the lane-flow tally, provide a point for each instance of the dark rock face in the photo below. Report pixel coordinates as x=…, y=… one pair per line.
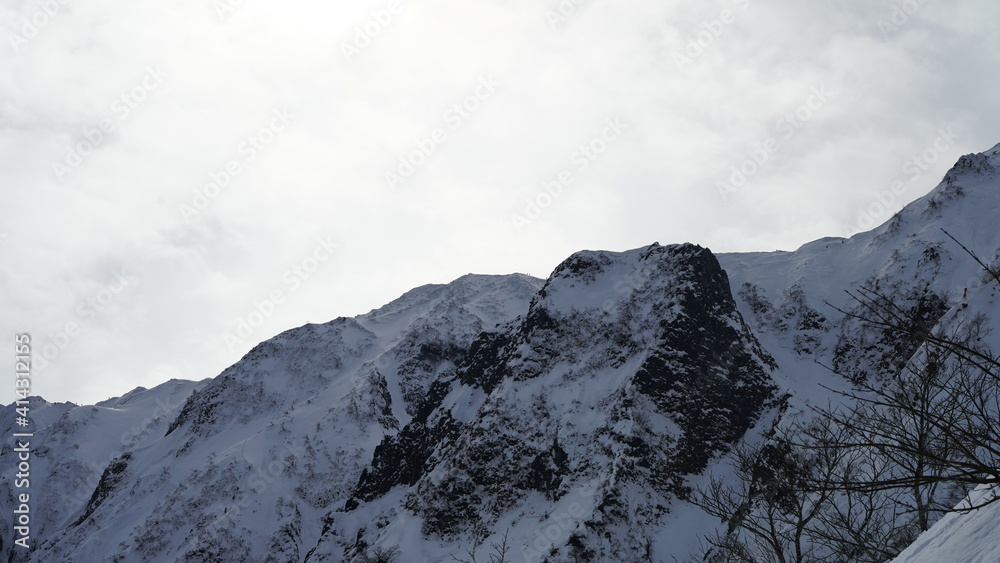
x=649, y=343
x=112, y=477
x=484, y=366
x=702, y=372
x=402, y=459
x=871, y=354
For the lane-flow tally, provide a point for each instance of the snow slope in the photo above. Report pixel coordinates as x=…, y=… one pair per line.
x=960, y=537
x=74, y=444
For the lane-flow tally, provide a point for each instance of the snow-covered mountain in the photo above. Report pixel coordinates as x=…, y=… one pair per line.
x=572, y=414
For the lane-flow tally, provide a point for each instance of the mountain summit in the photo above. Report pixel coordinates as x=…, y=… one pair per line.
x=570, y=416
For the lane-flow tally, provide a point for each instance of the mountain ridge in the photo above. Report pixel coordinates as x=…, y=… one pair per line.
x=574, y=412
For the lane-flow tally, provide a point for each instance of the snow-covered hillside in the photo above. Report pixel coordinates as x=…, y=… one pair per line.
x=961, y=537
x=244, y=466
x=601, y=398
x=571, y=414
x=792, y=301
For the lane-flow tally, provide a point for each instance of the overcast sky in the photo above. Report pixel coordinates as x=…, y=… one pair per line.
x=171, y=170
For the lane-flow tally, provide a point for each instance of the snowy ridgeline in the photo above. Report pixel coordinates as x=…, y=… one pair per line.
x=571, y=415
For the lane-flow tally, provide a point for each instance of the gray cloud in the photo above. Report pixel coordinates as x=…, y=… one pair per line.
x=892, y=84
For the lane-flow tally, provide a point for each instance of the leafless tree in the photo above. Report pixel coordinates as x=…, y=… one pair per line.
x=381, y=555
x=786, y=502
x=861, y=480
x=938, y=421
x=499, y=554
